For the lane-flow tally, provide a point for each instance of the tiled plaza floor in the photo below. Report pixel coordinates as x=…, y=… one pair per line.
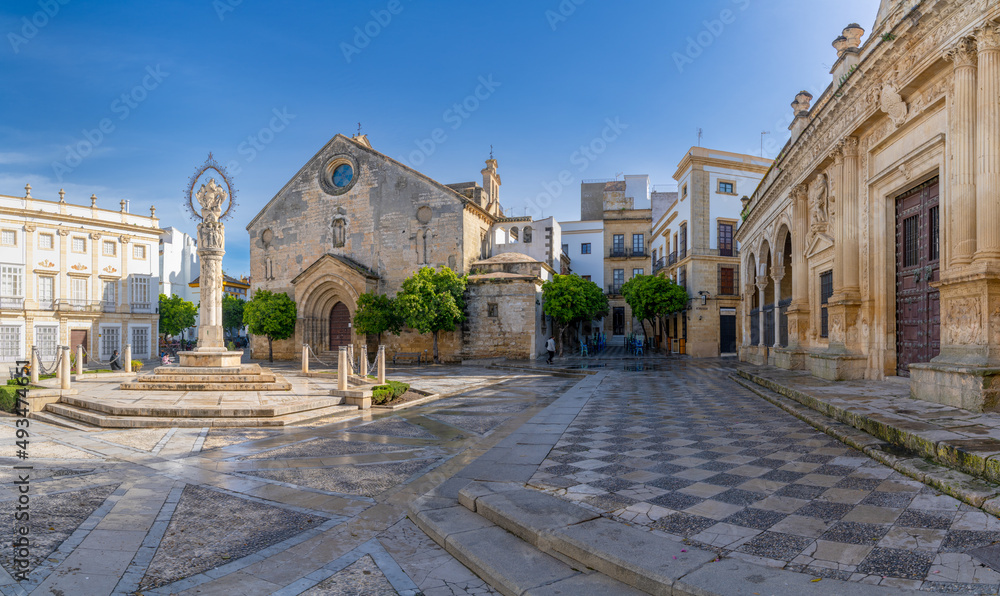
x=679, y=448
x=314, y=509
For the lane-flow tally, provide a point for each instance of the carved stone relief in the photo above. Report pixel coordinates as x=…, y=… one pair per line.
x=963, y=322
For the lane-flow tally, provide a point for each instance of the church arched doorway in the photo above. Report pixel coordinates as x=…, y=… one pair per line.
x=340, y=326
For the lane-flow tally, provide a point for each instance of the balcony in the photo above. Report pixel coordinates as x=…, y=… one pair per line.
x=11, y=302
x=109, y=305
x=672, y=259
x=626, y=253
x=46, y=304
x=75, y=305
x=615, y=289
x=142, y=307
x=658, y=264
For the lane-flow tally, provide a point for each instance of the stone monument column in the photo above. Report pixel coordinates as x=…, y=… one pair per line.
x=988, y=144
x=211, y=348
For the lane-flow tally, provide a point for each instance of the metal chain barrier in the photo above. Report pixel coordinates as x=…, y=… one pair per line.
x=317, y=358
x=373, y=368
x=42, y=369
x=91, y=359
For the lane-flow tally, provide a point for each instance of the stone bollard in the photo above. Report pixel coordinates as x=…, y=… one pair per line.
x=79, y=361
x=363, y=363
x=33, y=373
x=350, y=359
x=381, y=365
x=65, y=367
x=305, y=359
x=127, y=356
x=342, y=369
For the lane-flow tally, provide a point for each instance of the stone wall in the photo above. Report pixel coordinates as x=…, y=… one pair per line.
x=513, y=332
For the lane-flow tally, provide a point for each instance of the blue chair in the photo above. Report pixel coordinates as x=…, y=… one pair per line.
x=638, y=348
x=583, y=349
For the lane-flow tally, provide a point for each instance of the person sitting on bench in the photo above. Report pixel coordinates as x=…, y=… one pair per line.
x=115, y=364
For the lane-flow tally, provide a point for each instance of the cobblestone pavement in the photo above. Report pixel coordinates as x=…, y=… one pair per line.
x=316, y=509
x=679, y=448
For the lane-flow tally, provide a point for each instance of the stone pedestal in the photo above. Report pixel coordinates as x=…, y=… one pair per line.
x=789, y=358
x=843, y=360
x=966, y=373
x=223, y=359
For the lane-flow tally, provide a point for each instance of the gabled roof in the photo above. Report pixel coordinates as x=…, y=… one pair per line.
x=364, y=147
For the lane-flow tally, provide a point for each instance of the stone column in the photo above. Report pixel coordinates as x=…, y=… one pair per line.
x=305, y=359
x=777, y=274
x=210, y=338
x=381, y=365
x=798, y=310
x=988, y=144
x=79, y=361
x=847, y=213
x=64, y=368
x=127, y=358
x=363, y=362
x=342, y=369
x=962, y=221
x=761, y=286
x=33, y=373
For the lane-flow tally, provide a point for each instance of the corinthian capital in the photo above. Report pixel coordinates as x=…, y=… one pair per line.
x=962, y=53
x=800, y=194
x=988, y=37
x=849, y=146
x=838, y=153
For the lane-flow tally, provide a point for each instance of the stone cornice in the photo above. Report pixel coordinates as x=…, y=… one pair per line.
x=917, y=45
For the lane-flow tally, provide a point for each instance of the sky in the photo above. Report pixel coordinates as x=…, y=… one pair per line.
x=126, y=99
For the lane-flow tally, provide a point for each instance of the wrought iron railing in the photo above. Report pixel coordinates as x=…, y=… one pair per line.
x=659, y=264
x=672, y=259
x=615, y=289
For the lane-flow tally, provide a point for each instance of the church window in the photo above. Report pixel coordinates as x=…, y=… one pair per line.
x=342, y=175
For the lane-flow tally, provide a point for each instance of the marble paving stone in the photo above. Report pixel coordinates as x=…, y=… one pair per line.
x=367, y=480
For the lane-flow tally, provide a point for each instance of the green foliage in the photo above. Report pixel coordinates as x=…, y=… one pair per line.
x=8, y=397
x=136, y=365
x=231, y=347
x=433, y=301
x=271, y=315
x=571, y=299
x=388, y=392
x=888, y=37
x=376, y=314
x=176, y=314
x=232, y=312
x=652, y=297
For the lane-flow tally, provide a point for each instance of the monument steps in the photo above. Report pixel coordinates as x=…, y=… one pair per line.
x=83, y=418
x=250, y=377
x=205, y=386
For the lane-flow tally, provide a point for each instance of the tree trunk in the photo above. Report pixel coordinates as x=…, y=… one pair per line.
x=270, y=351
x=436, y=348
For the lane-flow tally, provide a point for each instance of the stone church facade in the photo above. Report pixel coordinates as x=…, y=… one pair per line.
x=353, y=220
x=880, y=220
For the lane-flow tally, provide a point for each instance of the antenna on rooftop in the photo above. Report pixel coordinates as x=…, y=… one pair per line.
x=699, y=137
x=764, y=132
x=359, y=129
x=491, y=151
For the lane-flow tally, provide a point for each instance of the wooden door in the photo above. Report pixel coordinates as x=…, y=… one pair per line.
x=340, y=330
x=618, y=321
x=78, y=337
x=918, y=311
x=727, y=334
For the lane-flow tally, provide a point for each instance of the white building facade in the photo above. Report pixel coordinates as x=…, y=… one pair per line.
x=179, y=266
x=75, y=275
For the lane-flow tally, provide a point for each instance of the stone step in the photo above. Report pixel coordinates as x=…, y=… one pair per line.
x=101, y=407
x=507, y=563
x=62, y=421
x=204, y=386
x=191, y=378
x=81, y=416
x=246, y=369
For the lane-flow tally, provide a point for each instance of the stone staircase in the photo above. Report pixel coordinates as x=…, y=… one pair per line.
x=248, y=377
x=83, y=413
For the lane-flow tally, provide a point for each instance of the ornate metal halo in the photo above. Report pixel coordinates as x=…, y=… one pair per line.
x=210, y=164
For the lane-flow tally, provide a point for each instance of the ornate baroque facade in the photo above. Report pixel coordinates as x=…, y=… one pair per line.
x=883, y=210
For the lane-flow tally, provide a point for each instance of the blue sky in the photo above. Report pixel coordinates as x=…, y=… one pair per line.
x=126, y=99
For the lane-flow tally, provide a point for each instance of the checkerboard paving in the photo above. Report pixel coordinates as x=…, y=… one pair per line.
x=686, y=452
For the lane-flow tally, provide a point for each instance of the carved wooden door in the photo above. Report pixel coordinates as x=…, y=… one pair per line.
x=340, y=330
x=918, y=311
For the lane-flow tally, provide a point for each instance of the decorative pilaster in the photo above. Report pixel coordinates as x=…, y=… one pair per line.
x=777, y=274
x=962, y=223
x=838, y=228
x=849, y=239
x=988, y=144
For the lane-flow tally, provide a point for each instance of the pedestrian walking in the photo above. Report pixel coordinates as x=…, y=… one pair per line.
x=550, y=347
x=115, y=364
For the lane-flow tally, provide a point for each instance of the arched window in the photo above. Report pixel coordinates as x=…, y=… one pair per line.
x=527, y=235
x=513, y=235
